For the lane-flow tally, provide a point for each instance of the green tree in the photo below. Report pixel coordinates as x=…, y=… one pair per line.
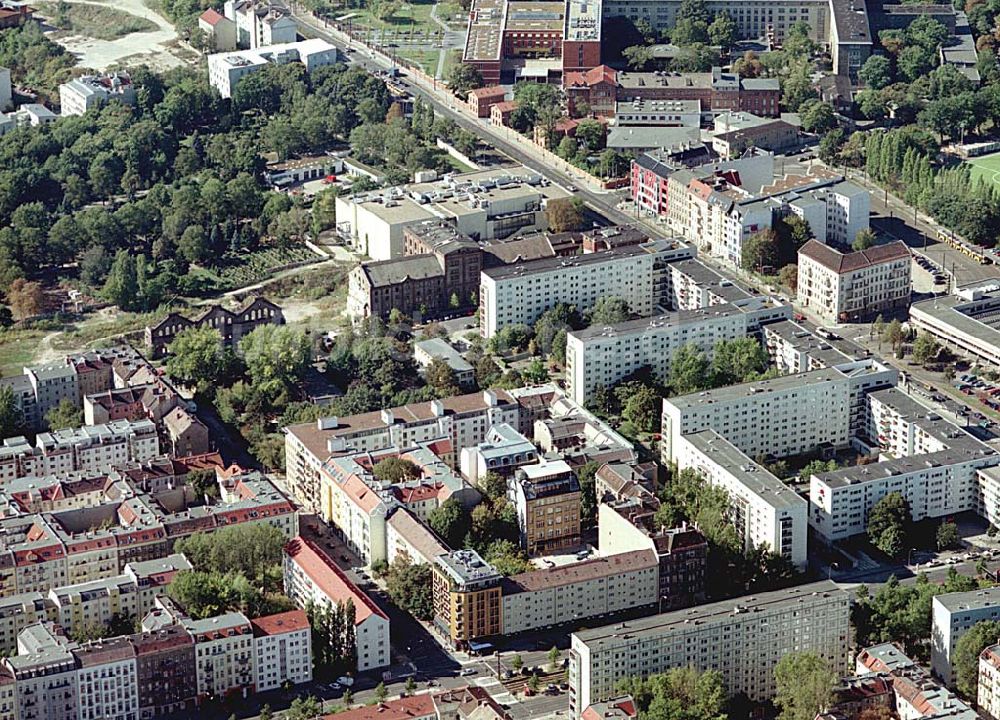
x=396, y=470
x=889, y=522
x=737, y=361
x=411, y=686
x=864, y=239
x=451, y=522
x=122, y=285
x=947, y=536
x=441, y=377
x=804, y=685
x=565, y=215
x=678, y=694
x=554, y=655
x=588, y=492
x=409, y=587
x=723, y=31
x=965, y=662
x=11, y=417
x=642, y=409
x=197, y=358
x=517, y=663
x=925, y=348
x=688, y=370
x=608, y=310
x=760, y=250
x=381, y=694
x=789, y=277
x=876, y=73
x=462, y=78
x=307, y=708
x=276, y=356
x=817, y=116
x=64, y=415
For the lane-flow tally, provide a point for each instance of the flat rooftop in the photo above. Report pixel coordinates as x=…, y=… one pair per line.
x=665, y=79
x=979, y=319
x=959, y=446
x=850, y=20
x=753, y=476
x=971, y=600
x=466, y=566
x=734, y=393
x=485, y=33
x=535, y=15
x=746, y=609
x=805, y=342
x=556, y=264
x=658, y=323
x=646, y=105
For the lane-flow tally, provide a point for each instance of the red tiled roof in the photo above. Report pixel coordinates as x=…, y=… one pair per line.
x=484, y=93
x=281, y=623
x=405, y=708
x=330, y=579
x=601, y=73
x=211, y=16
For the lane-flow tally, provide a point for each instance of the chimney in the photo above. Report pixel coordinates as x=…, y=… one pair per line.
x=490, y=398
x=327, y=423
x=387, y=417
x=437, y=407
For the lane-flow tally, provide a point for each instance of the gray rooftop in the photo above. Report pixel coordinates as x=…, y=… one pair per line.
x=383, y=273
x=971, y=600
x=733, y=393
x=466, y=566
x=658, y=323
x=557, y=264
x=754, y=477
x=442, y=349
x=632, y=137
x=742, y=609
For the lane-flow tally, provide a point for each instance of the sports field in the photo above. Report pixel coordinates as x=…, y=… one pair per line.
x=985, y=166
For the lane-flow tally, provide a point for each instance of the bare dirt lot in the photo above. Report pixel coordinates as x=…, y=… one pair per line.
x=160, y=48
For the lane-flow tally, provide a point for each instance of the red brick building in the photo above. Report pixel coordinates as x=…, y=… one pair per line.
x=484, y=98
x=597, y=87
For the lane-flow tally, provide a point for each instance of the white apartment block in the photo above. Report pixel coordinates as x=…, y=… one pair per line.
x=6, y=95
x=589, y=589
x=764, y=510
x=87, y=449
x=46, y=676
x=988, y=691
x=260, y=23
x=800, y=412
x=282, y=646
x=931, y=462
x=847, y=209
x=310, y=575
x=224, y=653
x=520, y=293
x=226, y=69
x=853, y=286
x=965, y=321
x=464, y=419
x=604, y=355
x=953, y=615
x=78, y=96
x=743, y=639
x=106, y=683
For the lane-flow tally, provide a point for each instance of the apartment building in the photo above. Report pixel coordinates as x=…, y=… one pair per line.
x=260, y=23
x=427, y=351
x=226, y=69
x=463, y=419
x=410, y=540
x=628, y=525
x=283, y=650
x=720, y=204
x=502, y=452
x=521, y=293
x=743, y=639
x=310, y=575
x=467, y=598
x=764, y=510
x=953, y=615
x=988, y=690
x=794, y=349
x=45, y=673
x=481, y=205
x=913, y=693
x=849, y=287
x=224, y=655
x=933, y=463
x=77, y=96
x=106, y=680
x=219, y=30
x=89, y=449
x=802, y=411
x=602, y=356
x=593, y=588
x=164, y=681
x=546, y=498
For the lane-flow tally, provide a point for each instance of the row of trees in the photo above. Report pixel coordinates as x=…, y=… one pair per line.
x=804, y=682
x=334, y=640
x=235, y=568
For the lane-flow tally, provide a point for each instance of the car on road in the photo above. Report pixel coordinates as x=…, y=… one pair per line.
x=571, y=188
x=345, y=680
x=468, y=671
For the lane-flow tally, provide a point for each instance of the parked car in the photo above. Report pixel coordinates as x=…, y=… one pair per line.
x=468, y=671
x=345, y=680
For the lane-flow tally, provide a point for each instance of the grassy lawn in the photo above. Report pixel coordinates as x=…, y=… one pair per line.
x=17, y=349
x=96, y=21
x=986, y=167
x=426, y=59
